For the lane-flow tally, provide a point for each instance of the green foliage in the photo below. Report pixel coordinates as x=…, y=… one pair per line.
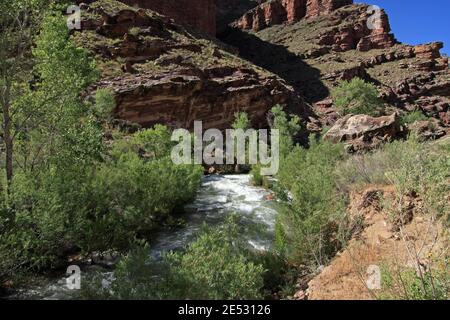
x=257, y=178
x=357, y=97
x=411, y=166
x=56, y=143
x=70, y=192
x=154, y=142
x=105, y=104
x=220, y=268
x=413, y=117
x=241, y=121
x=288, y=128
x=408, y=284
x=215, y=266
x=64, y=68
x=132, y=196
x=100, y=208
x=306, y=225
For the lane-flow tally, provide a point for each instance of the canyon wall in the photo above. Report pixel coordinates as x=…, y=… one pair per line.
x=279, y=11
x=200, y=14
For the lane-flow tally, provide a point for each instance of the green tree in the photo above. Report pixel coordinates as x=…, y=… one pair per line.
x=241, y=122
x=357, y=97
x=105, y=103
x=288, y=127
x=17, y=21
x=306, y=223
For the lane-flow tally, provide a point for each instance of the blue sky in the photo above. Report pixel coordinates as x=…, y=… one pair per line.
x=418, y=21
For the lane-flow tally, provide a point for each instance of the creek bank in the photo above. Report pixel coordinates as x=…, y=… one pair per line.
x=217, y=197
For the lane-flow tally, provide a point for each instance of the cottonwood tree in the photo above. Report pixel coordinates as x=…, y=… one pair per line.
x=18, y=21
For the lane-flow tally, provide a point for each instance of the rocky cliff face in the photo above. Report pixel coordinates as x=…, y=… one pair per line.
x=200, y=14
x=162, y=73
x=315, y=44
x=294, y=51
x=278, y=11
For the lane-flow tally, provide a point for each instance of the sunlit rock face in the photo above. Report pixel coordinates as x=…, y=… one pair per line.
x=278, y=11
x=200, y=14
x=162, y=72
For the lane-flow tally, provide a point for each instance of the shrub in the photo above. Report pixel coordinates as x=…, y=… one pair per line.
x=288, y=128
x=357, y=97
x=412, y=167
x=408, y=284
x=106, y=205
x=215, y=266
x=155, y=142
x=307, y=222
x=105, y=104
x=413, y=117
x=257, y=178
x=241, y=121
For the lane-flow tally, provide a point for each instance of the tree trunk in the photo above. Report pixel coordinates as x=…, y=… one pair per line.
x=8, y=139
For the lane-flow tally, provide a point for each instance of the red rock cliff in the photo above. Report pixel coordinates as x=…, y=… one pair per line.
x=200, y=14
x=279, y=11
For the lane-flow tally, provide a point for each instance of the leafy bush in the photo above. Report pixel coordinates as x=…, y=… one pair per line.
x=411, y=166
x=241, y=121
x=70, y=192
x=357, y=97
x=257, y=178
x=215, y=266
x=288, y=127
x=104, y=207
x=105, y=104
x=154, y=142
x=408, y=284
x=135, y=196
x=306, y=225
x=413, y=117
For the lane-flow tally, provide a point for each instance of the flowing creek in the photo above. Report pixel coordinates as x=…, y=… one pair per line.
x=218, y=196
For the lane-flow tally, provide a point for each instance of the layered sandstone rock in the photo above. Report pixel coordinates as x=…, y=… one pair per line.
x=315, y=53
x=213, y=96
x=429, y=51
x=363, y=132
x=162, y=73
x=200, y=14
x=278, y=11
x=230, y=10
x=358, y=34
x=315, y=8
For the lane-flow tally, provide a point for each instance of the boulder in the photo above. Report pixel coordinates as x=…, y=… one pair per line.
x=363, y=132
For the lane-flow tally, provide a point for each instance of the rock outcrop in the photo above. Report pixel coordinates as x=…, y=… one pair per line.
x=274, y=12
x=363, y=132
x=200, y=14
x=162, y=73
x=302, y=50
x=212, y=95
x=314, y=52
x=358, y=35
